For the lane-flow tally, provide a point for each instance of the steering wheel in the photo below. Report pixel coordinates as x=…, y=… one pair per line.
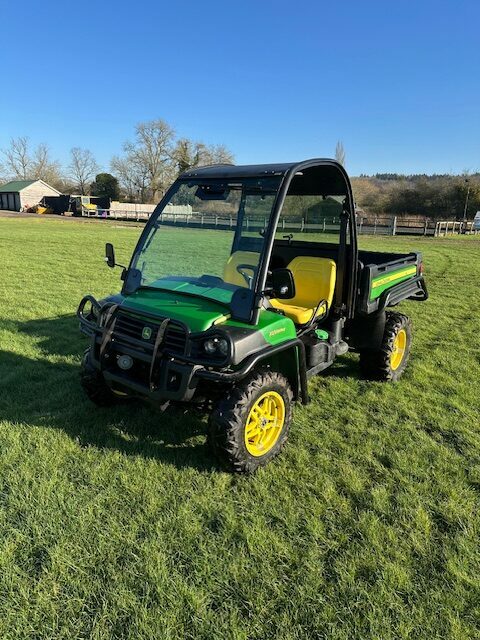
x=248, y=278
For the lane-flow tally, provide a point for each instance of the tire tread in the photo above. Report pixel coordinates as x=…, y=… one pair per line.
x=226, y=424
x=375, y=364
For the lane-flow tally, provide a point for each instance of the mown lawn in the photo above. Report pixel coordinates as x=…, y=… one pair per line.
x=118, y=523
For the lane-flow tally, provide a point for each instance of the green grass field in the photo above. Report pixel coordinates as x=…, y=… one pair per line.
x=118, y=523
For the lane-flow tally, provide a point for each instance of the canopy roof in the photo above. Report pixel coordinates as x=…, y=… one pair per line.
x=315, y=176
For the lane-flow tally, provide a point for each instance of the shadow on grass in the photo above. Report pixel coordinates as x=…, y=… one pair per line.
x=46, y=391
x=344, y=367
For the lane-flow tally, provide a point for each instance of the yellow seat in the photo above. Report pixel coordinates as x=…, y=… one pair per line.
x=314, y=281
x=230, y=273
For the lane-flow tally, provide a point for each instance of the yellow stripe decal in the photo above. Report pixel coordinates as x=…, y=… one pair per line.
x=379, y=281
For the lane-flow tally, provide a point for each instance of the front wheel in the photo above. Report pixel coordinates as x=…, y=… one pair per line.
x=389, y=362
x=95, y=386
x=250, y=426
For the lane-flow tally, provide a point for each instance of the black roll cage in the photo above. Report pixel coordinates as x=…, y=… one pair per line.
x=345, y=288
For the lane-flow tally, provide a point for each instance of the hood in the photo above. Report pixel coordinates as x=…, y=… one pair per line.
x=198, y=313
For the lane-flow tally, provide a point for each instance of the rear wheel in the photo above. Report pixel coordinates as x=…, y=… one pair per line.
x=95, y=386
x=389, y=362
x=249, y=427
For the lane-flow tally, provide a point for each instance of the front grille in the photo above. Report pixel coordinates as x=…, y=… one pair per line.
x=132, y=329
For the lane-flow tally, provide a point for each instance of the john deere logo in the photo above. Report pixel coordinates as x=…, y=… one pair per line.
x=146, y=333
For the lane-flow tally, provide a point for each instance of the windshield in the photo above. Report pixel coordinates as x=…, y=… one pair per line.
x=207, y=241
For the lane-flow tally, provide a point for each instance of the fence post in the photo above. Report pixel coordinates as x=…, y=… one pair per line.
x=216, y=220
x=375, y=225
x=231, y=224
x=394, y=225
x=425, y=226
x=360, y=226
x=324, y=225
x=283, y=224
x=303, y=225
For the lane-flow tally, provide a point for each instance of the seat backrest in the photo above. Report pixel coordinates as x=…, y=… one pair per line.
x=314, y=281
x=230, y=273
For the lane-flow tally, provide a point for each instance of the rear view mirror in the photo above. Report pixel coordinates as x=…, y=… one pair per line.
x=110, y=255
x=212, y=192
x=283, y=284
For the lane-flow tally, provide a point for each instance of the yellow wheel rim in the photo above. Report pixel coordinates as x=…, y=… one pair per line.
x=264, y=423
x=398, y=349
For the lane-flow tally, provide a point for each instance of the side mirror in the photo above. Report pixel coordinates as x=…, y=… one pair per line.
x=283, y=284
x=241, y=304
x=110, y=255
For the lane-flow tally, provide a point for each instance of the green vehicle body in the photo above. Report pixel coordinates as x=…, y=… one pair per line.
x=200, y=314
x=161, y=331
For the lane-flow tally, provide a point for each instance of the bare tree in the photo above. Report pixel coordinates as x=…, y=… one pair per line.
x=41, y=161
x=187, y=154
x=150, y=156
x=22, y=164
x=340, y=153
x=217, y=154
x=153, y=159
x=44, y=168
x=82, y=168
x=3, y=173
x=17, y=158
x=132, y=177
x=193, y=154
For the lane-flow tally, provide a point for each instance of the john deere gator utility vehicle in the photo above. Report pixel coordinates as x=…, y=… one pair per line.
x=238, y=305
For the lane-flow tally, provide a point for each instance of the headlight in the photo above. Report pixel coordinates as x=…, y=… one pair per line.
x=210, y=345
x=216, y=345
x=222, y=346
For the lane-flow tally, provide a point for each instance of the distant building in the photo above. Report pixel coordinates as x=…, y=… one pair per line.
x=476, y=222
x=19, y=195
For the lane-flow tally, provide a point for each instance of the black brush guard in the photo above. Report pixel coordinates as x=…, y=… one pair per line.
x=161, y=373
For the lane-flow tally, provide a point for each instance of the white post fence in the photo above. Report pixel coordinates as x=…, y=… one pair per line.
x=386, y=225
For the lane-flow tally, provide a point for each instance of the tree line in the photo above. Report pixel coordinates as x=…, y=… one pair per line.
x=155, y=156
x=147, y=166
x=436, y=196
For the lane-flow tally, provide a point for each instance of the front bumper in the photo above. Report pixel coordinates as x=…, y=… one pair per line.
x=172, y=381
x=159, y=374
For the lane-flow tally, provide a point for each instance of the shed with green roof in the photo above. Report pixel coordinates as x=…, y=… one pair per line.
x=20, y=195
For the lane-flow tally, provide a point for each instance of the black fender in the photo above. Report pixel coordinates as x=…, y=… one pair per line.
x=287, y=358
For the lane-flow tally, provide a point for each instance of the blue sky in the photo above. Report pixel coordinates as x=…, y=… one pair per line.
x=397, y=82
